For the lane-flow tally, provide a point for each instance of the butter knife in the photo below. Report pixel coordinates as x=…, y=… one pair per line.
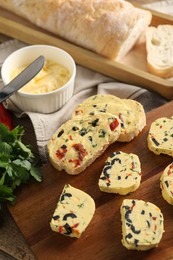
x=23, y=78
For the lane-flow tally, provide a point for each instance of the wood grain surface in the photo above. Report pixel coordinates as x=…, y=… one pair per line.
x=102, y=239
x=132, y=70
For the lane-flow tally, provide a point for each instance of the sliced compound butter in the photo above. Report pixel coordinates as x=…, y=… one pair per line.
x=160, y=136
x=130, y=112
x=73, y=213
x=79, y=141
x=51, y=77
x=166, y=184
x=121, y=173
x=142, y=224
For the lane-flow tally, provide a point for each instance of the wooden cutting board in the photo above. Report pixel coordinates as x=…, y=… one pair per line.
x=132, y=69
x=102, y=239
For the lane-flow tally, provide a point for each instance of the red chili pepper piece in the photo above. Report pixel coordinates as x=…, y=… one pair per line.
x=114, y=125
x=5, y=117
x=81, y=154
x=76, y=162
x=80, y=150
x=61, y=153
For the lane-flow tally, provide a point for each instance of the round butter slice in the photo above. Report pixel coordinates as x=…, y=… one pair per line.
x=160, y=136
x=130, y=112
x=166, y=184
x=121, y=173
x=73, y=213
x=79, y=141
x=142, y=224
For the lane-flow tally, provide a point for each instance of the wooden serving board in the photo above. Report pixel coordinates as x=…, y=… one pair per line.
x=102, y=239
x=132, y=69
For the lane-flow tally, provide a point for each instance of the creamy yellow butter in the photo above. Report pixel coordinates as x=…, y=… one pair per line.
x=51, y=77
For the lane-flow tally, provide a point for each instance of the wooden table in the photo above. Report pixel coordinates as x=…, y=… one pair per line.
x=12, y=244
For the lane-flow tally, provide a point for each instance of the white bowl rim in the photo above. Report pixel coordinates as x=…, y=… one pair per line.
x=24, y=94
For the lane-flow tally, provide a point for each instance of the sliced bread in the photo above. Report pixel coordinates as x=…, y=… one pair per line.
x=159, y=46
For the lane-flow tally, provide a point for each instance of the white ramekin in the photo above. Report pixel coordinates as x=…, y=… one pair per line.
x=46, y=102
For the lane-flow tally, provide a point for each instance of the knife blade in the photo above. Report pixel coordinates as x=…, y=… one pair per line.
x=23, y=78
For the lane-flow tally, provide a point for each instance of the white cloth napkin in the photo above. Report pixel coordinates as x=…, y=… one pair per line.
x=87, y=83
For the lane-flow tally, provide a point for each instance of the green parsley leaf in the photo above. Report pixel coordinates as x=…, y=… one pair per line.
x=17, y=162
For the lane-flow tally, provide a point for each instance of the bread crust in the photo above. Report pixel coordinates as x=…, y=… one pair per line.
x=107, y=27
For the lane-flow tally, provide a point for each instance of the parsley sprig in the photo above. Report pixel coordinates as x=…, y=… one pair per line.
x=17, y=162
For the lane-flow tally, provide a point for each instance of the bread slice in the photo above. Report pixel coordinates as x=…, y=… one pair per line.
x=79, y=141
x=107, y=27
x=159, y=45
x=130, y=112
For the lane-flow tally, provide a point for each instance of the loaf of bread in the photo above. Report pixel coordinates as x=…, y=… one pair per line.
x=108, y=27
x=159, y=45
x=130, y=112
x=79, y=141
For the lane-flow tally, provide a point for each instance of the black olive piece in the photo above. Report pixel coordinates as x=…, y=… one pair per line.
x=90, y=138
x=167, y=184
x=64, y=146
x=105, y=171
x=134, y=230
x=133, y=202
x=75, y=128
x=65, y=195
x=56, y=217
x=68, y=229
x=113, y=154
x=155, y=141
x=148, y=224
x=69, y=215
x=94, y=123
x=143, y=212
x=128, y=212
x=102, y=110
x=103, y=178
x=129, y=235
x=136, y=242
x=126, y=207
x=60, y=133
x=102, y=133
x=116, y=160
x=83, y=132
